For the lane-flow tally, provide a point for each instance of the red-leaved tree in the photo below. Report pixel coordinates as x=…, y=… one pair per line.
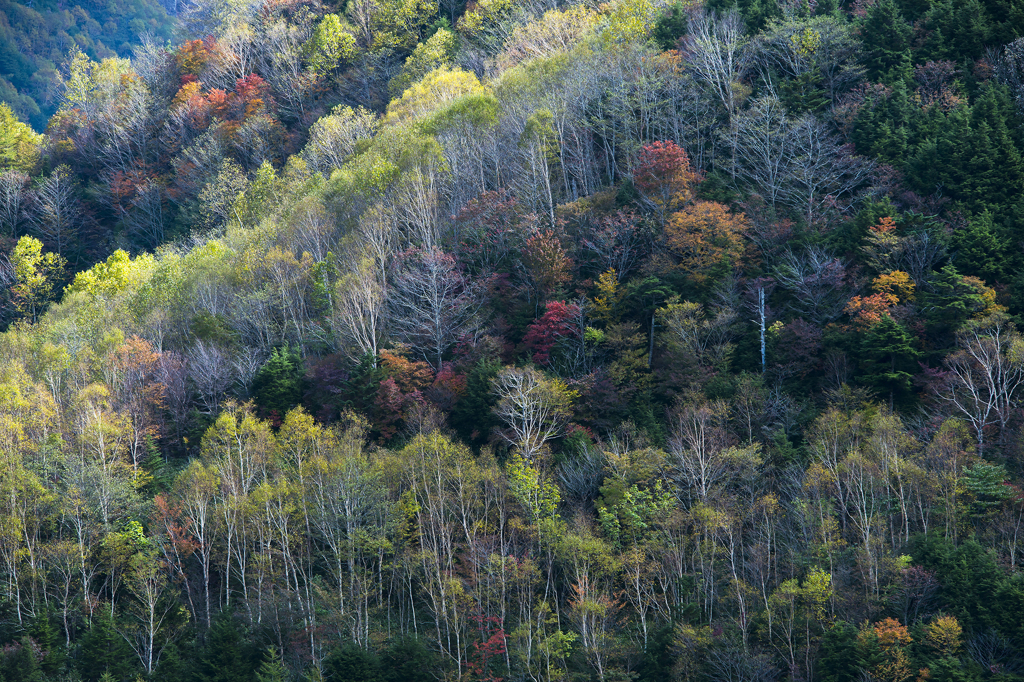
x=556, y=323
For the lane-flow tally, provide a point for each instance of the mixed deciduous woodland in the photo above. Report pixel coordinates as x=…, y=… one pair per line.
x=408, y=340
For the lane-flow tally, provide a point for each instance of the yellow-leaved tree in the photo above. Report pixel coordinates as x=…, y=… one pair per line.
x=437, y=88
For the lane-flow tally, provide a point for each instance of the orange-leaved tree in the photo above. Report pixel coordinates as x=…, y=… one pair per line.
x=884, y=650
x=705, y=236
x=891, y=288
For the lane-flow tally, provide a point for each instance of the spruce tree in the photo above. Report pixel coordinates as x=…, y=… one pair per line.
x=279, y=383
x=103, y=650
x=886, y=36
x=407, y=660
x=958, y=30
x=838, y=657
x=352, y=663
x=992, y=166
x=18, y=663
x=226, y=656
x=887, y=358
x=985, y=484
x=979, y=251
x=272, y=669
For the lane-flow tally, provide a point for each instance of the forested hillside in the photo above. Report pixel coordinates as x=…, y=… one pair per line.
x=406, y=340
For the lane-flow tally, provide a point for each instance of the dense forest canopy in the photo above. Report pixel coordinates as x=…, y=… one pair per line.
x=512, y=340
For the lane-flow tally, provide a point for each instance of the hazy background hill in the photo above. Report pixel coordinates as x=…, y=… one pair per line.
x=35, y=37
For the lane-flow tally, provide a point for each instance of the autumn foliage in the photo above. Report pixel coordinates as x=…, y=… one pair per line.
x=705, y=235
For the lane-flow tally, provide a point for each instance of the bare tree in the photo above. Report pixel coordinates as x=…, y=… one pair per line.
x=432, y=304
x=240, y=49
x=713, y=51
x=618, y=241
x=731, y=663
x=758, y=291
x=699, y=444
x=146, y=219
x=359, y=312
x=211, y=373
x=247, y=364
x=920, y=253
x=283, y=66
x=822, y=173
x=13, y=201
x=817, y=281
x=534, y=409
x=986, y=373
x=763, y=148
x=58, y=214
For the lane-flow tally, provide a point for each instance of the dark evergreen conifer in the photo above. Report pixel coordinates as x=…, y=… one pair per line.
x=279, y=383
x=226, y=656
x=103, y=650
x=887, y=359
x=978, y=250
x=886, y=37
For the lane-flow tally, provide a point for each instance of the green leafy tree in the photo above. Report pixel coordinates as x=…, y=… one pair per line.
x=392, y=25
x=438, y=50
x=330, y=46
x=19, y=144
x=36, y=276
